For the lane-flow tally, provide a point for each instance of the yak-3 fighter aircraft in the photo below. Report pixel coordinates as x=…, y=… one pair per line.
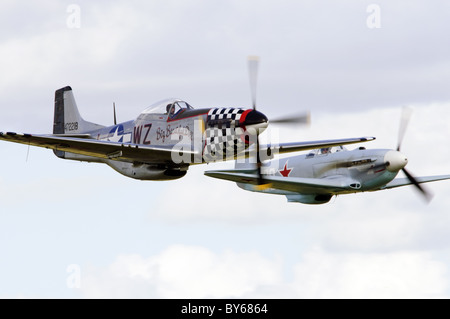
x=165, y=139
x=319, y=175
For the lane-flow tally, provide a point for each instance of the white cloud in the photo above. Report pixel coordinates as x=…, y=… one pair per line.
x=62, y=53
x=403, y=274
x=183, y=271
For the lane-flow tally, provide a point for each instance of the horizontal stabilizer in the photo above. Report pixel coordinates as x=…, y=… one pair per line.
x=81, y=135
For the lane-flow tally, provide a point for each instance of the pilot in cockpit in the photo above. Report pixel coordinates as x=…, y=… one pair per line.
x=174, y=109
x=325, y=150
x=170, y=109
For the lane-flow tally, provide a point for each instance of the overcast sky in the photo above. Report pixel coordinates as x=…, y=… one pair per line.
x=78, y=230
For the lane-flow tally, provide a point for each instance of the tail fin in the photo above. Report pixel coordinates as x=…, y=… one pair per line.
x=67, y=118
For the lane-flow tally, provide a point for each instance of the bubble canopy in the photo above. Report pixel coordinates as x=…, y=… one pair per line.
x=164, y=106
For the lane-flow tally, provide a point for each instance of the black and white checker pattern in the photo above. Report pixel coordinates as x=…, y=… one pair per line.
x=223, y=138
x=224, y=114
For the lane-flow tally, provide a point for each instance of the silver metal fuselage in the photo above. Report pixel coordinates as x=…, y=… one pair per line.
x=192, y=129
x=358, y=170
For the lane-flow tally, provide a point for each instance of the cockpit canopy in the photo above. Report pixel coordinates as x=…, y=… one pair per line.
x=167, y=106
x=326, y=151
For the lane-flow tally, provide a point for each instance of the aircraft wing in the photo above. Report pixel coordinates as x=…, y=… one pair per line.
x=91, y=147
x=82, y=144
x=398, y=182
x=292, y=184
x=304, y=146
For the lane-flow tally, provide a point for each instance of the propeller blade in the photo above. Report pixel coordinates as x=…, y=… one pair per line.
x=262, y=184
x=258, y=160
x=114, y=110
x=294, y=119
x=259, y=164
x=406, y=116
x=424, y=192
x=253, y=65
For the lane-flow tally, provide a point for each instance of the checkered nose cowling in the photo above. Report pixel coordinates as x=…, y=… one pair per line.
x=225, y=133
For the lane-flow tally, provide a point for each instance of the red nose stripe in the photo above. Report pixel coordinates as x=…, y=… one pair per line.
x=242, y=119
x=244, y=137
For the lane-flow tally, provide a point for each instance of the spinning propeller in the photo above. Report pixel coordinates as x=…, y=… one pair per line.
x=253, y=66
x=395, y=161
x=406, y=116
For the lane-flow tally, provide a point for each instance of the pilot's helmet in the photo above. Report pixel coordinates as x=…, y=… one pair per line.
x=168, y=107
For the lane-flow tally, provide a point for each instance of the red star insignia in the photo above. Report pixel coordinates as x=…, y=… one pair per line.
x=285, y=171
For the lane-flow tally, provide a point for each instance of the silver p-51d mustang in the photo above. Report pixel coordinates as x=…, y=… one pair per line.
x=162, y=142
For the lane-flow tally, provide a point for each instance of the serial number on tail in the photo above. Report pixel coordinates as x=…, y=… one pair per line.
x=71, y=126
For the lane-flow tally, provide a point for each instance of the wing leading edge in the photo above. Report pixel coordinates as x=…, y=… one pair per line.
x=291, y=184
x=96, y=148
x=305, y=146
